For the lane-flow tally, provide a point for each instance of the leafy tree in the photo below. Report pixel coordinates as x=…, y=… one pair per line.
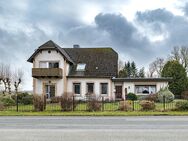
x=179, y=77
x=123, y=73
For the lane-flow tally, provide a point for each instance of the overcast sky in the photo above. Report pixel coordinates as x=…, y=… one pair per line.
x=138, y=30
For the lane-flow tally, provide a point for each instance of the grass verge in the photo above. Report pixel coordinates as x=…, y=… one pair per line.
x=78, y=113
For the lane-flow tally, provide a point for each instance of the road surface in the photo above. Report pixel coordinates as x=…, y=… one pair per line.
x=149, y=128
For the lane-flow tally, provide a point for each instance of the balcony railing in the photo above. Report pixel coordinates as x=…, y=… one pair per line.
x=47, y=72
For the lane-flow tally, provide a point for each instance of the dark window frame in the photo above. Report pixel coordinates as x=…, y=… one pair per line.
x=89, y=87
x=74, y=88
x=106, y=89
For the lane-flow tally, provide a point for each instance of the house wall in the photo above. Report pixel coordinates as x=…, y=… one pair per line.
x=131, y=86
x=45, y=56
x=53, y=56
x=41, y=82
x=84, y=81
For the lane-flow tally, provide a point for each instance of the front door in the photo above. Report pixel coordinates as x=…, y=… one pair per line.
x=50, y=91
x=118, y=93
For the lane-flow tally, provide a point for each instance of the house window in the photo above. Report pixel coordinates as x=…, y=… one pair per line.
x=81, y=67
x=76, y=87
x=90, y=87
x=53, y=64
x=104, y=88
x=50, y=91
x=145, y=89
x=44, y=64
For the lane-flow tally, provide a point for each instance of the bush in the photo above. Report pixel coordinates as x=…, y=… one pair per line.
x=184, y=95
x=93, y=103
x=67, y=102
x=2, y=107
x=147, y=105
x=182, y=105
x=131, y=96
x=27, y=100
x=169, y=96
x=152, y=97
x=55, y=99
x=125, y=106
x=22, y=97
x=7, y=101
x=39, y=102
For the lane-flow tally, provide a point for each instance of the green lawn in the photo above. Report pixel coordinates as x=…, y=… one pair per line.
x=84, y=113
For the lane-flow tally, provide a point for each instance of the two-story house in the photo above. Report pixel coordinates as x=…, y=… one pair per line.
x=80, y=71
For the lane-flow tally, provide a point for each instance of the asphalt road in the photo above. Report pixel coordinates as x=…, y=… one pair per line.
x=94, y=128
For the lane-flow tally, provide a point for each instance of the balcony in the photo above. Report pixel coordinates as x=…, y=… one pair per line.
x=47, y=72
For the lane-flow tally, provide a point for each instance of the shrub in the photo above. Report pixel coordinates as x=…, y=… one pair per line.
x=182, y=105
x=93, y=103
x=184, y=95
x=55, y=99
x=27, y=100
x=125, y=106
x=39, y=102
x=7, y=101
x=147, y=105
x=169, y=96
x=152, y=97
x=2, y=107
x=131, y=96
x=67, y=102
x=22, y=97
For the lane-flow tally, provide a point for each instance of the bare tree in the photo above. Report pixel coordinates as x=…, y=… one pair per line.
x=180, y=54
x=5, y=77
x=156, y=67
x=151, y=70
x=17, y=79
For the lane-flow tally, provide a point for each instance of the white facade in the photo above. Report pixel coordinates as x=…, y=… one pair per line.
x=66, y=84
x=130, y=87
x=97, y=86
x=52, y=57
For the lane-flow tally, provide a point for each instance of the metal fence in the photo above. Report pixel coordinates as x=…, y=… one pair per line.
x=101, y=104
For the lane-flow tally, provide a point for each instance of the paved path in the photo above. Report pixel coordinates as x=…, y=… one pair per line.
x=94, y=128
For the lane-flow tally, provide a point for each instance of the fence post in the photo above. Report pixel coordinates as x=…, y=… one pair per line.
x=73, y=103
x=164, y=102
x=103, y=103
x=133, y=104
x=16, y=101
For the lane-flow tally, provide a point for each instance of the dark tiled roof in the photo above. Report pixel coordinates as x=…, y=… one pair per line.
x=50, y=45
x=161, y=79
x=100, y=62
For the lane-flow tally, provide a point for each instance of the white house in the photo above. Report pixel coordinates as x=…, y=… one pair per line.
x=80, y=71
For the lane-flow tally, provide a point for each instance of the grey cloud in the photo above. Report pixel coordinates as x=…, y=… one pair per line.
x=164, y=21
x=185, y=9
x=117, y=26
x=160, y=15
x=124, y=35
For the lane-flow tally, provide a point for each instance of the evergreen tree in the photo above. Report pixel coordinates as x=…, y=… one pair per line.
x=128, y=68
x=141, y=73
x=179, y=77
x=123, y=72
x=133, y=69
